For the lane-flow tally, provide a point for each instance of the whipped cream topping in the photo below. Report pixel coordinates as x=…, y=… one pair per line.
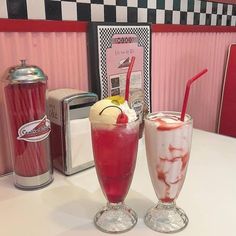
x=128, y=111
x=173, y=119
x=167, y=121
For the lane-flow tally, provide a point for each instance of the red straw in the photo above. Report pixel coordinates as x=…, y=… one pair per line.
x=187, y=89
x=27, y=103
x=128, y=78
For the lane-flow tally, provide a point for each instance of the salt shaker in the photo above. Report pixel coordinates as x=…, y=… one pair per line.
x=29, y=128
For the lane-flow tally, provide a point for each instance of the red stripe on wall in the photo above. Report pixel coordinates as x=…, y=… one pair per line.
x=225, y=1
x=10, y=25
x=191, y=28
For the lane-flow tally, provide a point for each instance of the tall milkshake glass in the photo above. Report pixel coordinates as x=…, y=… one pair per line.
x=115, y=150
x=168, y=144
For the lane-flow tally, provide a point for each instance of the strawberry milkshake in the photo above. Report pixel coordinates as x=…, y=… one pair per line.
x=168, y=144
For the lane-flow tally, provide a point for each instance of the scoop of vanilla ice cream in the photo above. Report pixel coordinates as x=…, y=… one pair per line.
x=108, y=116
x=111, y=113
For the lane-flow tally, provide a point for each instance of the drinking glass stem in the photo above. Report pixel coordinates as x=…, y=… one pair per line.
x=166, y=205
x=171, y=206
x=115, y=206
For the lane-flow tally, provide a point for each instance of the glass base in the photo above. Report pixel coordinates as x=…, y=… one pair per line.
x=115, y=218
x=166, y=218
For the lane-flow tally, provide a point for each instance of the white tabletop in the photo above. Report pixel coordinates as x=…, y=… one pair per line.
x=67, y=206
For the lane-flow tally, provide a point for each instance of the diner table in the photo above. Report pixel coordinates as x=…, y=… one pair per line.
x=67, y=206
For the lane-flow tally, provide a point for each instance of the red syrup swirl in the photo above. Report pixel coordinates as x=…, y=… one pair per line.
x=164, y=126
x=162, y=176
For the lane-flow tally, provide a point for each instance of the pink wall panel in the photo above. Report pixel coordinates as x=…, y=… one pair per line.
x=62, y=56
x=176, y=57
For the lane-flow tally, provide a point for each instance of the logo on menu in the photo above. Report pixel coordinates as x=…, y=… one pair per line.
x=35, y=131
x=119, y=40
x=124, y=63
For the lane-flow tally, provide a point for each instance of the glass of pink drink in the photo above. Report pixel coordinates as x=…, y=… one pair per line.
x=115, y=150
x=168, y=144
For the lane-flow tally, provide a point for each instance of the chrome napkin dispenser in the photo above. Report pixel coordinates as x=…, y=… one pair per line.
x=70, y=138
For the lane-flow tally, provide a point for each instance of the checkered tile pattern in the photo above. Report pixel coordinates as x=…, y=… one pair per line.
x=186, y=12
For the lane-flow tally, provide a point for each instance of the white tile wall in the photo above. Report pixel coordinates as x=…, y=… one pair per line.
x=97, y=12
x=3, y=9
x=122, y=16
x=142, y=14
x=36, y=9
x=69, y=11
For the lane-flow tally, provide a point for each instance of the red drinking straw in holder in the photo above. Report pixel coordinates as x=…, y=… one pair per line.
x=128, y=78
x=187, y=89
x=26, y=102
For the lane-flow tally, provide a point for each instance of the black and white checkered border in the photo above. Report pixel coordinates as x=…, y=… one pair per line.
x=105, y=34
x=185, y=12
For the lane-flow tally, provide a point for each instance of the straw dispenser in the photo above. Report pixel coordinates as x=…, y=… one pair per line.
x=28, y=125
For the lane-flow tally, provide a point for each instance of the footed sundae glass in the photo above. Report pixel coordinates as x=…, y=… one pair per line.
x=168, y=144
x=115, y=150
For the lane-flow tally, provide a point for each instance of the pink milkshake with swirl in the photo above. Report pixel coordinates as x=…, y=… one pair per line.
x=168, y=144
